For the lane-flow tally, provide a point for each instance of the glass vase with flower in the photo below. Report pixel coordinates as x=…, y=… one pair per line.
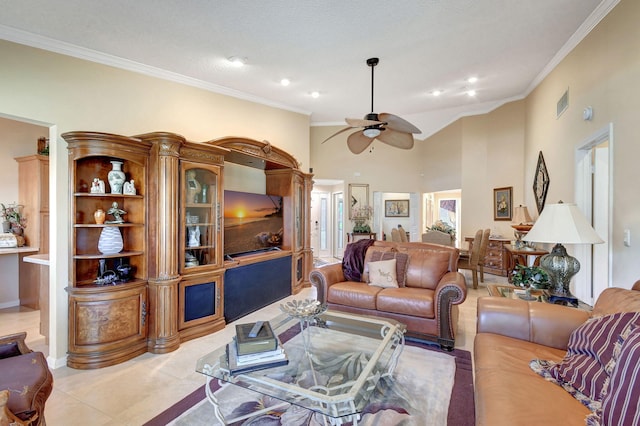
x=12, y=216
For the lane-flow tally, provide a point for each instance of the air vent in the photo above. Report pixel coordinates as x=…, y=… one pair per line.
x=563, y=103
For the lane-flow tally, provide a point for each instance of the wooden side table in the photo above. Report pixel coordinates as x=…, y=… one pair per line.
x=355, y=236
x=521, y=257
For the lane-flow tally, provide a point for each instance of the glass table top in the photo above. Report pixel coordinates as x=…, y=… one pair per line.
x=335, y=362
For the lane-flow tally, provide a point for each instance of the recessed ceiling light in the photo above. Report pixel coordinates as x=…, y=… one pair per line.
x=285, y=82
x=436, y=92
x=237, y=61
x=471, y=92
x=472, y=79
x=315, y=95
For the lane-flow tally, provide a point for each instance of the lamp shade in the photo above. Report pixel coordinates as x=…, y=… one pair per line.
x=521, y=216
x=562, y=223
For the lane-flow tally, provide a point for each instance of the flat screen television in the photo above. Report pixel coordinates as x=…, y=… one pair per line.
x=252, y=222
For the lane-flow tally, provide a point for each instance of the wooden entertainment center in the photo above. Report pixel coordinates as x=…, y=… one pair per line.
x=164, y=282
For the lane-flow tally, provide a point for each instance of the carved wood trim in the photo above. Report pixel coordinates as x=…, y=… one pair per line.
x=259, y=149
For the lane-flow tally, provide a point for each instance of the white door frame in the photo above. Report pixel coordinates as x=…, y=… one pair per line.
x=583, y=194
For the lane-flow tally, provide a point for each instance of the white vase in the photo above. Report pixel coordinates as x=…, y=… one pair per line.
x=110, y=241
x=116, y=177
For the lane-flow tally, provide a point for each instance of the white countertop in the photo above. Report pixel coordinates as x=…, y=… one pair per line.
x=40, y=259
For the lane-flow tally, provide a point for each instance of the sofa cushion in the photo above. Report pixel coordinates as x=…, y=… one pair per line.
x=590, y=350
x=402, y=262
x=621, y=400
x=415, y=302
x=351, y=293
x=427, y=267
x=383, y=273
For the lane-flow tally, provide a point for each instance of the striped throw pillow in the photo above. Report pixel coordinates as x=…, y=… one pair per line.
x=590, y=351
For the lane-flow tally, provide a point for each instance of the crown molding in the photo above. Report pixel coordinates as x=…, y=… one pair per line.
x=587, y=26
x=34, y=40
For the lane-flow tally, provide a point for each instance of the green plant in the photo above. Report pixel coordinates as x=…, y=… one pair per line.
x=11, y=213
x=534, y=276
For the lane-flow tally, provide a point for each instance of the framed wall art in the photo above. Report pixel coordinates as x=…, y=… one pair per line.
x=502, y=203
x=540, y=183
x=396, y=208
x=358, y=198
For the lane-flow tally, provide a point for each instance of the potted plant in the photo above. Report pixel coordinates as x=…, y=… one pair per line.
x=16, y=221
x=530, y=277
x=442, y=226
x=361, y=215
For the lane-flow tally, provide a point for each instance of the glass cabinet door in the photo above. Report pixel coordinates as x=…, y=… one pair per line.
x=200, y=217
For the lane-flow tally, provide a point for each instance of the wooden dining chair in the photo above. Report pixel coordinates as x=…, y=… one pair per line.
x=471, y=260
x=483, y=252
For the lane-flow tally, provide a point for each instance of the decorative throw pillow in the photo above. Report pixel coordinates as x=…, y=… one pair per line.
x=383, y=273
x=621, y=399
x=589, y=354
x=402, y=263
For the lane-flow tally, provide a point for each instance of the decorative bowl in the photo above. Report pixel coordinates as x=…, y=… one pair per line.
x=302, y=309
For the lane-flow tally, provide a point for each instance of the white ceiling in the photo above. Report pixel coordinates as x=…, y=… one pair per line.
x=322, y=46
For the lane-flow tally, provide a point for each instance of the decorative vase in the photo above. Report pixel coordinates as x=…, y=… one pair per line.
x=110, y=241
x=99, y=215
x=6, y=227
x=116, y=177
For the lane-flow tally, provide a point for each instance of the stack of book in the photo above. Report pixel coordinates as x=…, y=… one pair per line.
x=254, y=351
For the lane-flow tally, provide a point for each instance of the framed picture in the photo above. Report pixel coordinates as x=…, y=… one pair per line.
x=540, y=183
x=502, y=204
x=358, y=198
x=396, y=208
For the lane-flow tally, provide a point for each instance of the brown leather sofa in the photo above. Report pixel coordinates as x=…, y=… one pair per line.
x=510, y=333
x=26, y=375
x=427, y=304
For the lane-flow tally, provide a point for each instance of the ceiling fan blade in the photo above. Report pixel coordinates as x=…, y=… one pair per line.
x=358, y=142
x=357, y=122
x=398, y=139
x=396, y=123
x=337, y=133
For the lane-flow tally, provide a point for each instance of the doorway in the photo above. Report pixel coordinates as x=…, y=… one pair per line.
x=327, y=220
x=593, y=197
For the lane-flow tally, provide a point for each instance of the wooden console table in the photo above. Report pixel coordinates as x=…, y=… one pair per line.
x=521, y=257
x=353, y=236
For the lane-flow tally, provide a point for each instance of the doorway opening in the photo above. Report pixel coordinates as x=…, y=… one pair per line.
x=593, y=196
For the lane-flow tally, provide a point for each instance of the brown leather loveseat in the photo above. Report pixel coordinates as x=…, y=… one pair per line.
x=510, y=334
x=426, y=302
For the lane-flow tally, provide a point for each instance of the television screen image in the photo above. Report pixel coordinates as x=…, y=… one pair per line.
x=251, y=222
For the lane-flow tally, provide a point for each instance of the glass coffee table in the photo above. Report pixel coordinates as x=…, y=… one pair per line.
x=335, y=362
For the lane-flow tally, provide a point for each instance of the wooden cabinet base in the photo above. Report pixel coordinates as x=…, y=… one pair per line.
x=201, y=330
x=107, y=325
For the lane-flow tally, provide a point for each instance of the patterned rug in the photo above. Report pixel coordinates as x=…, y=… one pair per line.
x=431, y=387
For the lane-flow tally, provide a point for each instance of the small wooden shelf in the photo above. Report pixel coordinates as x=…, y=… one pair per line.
x=108, y=256
x=88, y=286
x=89, y=194
x=105, y=225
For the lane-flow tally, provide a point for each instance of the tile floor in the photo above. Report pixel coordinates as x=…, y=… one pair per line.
x=135, y=391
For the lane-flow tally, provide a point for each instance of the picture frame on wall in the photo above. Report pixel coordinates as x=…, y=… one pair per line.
x=540, y=183
x=502, y=203
x=396, y=208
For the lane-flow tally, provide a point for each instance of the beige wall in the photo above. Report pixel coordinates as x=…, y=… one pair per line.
x=73, y=94
x=602, y=72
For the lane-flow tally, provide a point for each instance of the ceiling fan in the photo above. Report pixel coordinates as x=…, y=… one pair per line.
x=385, y=127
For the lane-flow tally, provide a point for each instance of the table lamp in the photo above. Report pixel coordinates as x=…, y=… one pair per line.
x=561, y=223
x=522, y=225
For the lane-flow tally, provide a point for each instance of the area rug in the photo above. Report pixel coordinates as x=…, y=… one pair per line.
x=432, y=387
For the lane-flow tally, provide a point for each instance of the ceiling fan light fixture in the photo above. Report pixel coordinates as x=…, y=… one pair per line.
x=237, y=61
x=371, y=133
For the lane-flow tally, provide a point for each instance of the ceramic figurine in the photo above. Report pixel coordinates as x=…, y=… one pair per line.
x=97, y=186
x=128, y=188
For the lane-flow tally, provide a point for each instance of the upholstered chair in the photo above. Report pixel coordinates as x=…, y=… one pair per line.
x=27, y=378
x=470, y=260
x=395, y=235
x=437, y=237
x=403, y=234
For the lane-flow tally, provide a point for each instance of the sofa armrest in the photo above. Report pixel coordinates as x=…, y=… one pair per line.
x=324, y=277
x=18, y=340
x=543, y=323
x=451, y=291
